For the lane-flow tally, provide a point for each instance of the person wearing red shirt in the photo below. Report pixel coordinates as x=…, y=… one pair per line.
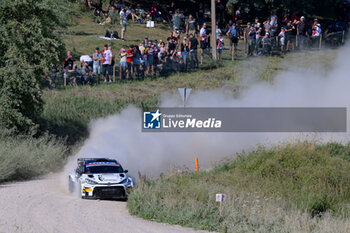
x=129, y=61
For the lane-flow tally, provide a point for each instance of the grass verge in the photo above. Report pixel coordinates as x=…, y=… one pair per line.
x=292, y=188
x=25, y=157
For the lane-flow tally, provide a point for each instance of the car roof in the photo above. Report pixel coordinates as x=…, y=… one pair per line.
x=89, y=160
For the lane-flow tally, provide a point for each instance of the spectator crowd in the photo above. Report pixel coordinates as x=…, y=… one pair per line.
x=189, y=40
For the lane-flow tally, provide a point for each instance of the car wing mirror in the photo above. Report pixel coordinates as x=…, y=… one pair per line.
x=126, y=171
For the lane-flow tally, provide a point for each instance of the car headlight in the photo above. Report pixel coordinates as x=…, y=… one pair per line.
x=127, y=182
x=90, y=181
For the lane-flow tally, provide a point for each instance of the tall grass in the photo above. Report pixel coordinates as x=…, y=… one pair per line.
x=24, y=157
x=292, y=188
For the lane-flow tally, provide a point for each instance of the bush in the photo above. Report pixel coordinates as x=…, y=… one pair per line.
x=24, y=157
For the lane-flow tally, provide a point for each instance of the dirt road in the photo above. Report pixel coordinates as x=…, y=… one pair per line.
x=44, y=205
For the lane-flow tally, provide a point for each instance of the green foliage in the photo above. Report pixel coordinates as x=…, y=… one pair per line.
x=266, y=7
x=26, y=157
x=29, y=44
x=266, y=189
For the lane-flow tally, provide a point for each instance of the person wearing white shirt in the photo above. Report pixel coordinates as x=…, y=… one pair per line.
x=85, y=58
x=107, y=64
x=123, y=21
x=282, y=36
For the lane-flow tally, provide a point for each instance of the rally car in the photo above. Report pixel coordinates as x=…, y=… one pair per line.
x=100, y=178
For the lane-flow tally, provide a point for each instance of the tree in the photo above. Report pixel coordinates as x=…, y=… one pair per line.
x=264, y=8
x=29, y=44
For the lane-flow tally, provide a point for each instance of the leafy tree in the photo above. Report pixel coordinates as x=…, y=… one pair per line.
x=29, y=44
x=266, y=7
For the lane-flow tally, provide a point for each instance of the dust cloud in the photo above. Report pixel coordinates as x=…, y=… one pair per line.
x=119, y=136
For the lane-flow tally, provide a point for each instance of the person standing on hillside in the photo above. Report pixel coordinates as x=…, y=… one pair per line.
x=177, y=21
x=200, y=15
x=191, y=25
x=193, y=44
x=123, y=57
x=129, y=62
x=113, y=15
x=97, y=59
x=123, y=22
x=107, y=64
x=220, y=43
x=251, y=39
x=289, y=35
x=301, y=32
x=233, y=35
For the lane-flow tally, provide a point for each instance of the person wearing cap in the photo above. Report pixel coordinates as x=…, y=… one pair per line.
x=251, y=37
x=233, y=35
x=316, y=32
x=267, y=43
x=302, y=32
x=97, y=59
x=258, y=39
x=316, y=29
x=204, y=39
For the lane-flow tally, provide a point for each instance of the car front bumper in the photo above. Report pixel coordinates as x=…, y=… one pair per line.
x=105, y=191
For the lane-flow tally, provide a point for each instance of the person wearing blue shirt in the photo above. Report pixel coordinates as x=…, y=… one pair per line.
x=233, y=35
x=267, y=43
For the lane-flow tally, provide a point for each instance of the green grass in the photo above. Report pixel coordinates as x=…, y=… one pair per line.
x=280, y=189
x=78, y=37
x=23, y=158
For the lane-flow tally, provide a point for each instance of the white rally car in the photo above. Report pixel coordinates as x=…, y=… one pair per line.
x=100, y=178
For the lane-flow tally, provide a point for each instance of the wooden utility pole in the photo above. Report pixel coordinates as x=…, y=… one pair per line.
x=213, y=30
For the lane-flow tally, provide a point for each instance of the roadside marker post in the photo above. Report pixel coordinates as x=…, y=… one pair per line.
x=114, y=73
x=196, y=163
x=64, y=79
x=185, y=93
x=220, y=197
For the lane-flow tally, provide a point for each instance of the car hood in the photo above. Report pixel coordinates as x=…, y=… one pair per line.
x=107, y=178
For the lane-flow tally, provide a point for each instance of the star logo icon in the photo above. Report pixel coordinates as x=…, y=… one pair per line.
x=156, y=116
x=152, y=120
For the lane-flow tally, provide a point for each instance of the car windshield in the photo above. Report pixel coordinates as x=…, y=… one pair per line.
x=103, y=169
